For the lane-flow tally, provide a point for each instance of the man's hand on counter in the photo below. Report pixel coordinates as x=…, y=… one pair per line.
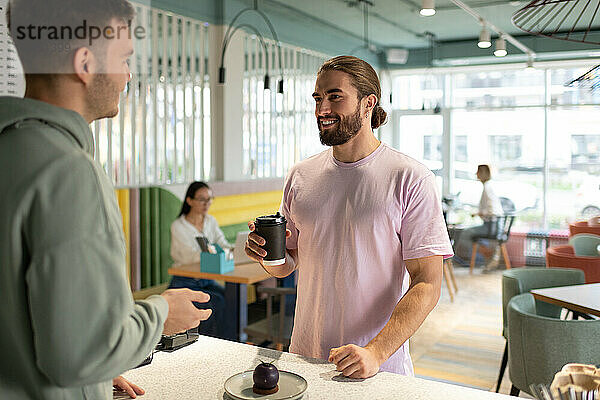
x=183, y=314
x=354, y=361
x=124, y=385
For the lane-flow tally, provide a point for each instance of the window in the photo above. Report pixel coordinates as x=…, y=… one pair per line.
x=491, y=88
x=562, y=94
x=499, y=138
x=505, y=148
x=585, y=152
x=545, y=154
x=460, y=148
x=278, y=129
x=417, y=92
x=573, y=164
x=432, y=148
x=162, y=132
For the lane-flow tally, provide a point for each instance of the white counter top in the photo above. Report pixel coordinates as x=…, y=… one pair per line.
x=199, y=371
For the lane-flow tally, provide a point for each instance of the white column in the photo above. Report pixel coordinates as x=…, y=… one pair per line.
x=226, y=106
x=447, y=138
x=217, y=102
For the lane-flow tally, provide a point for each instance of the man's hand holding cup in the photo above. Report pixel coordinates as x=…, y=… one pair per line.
x=267, y=239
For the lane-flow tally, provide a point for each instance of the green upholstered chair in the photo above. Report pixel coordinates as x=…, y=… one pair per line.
x=539, y=346
x=522, y=280
x=585, y=244
x=158, y=209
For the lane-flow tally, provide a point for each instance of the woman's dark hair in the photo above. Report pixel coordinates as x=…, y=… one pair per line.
x=191, y=192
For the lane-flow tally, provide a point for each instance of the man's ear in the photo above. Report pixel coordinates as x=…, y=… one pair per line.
x=85, y=65
x=371, y=101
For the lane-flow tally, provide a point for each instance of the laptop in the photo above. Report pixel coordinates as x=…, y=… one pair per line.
x=239, y=252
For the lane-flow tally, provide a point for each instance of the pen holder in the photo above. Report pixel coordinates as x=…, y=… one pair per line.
x=215, y=263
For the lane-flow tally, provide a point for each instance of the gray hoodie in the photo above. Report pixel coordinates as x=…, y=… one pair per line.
x=68, y=322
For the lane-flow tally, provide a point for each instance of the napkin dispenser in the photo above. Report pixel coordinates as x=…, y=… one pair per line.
x=217, y=263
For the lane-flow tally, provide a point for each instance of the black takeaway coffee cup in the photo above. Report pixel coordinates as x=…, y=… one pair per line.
x=272, y=229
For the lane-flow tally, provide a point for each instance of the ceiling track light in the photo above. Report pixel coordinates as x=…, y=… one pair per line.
x=493, y=28
x=427, y=8
x=500, y=47
x=485, y=40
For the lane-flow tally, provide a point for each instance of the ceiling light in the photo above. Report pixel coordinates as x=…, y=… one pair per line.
x=500, y=47
x=427, y=8
x=484, y=39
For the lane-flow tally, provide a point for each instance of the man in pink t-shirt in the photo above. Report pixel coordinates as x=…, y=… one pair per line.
x=365, y=232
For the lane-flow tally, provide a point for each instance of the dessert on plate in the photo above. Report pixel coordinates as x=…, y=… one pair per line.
x=265, y=377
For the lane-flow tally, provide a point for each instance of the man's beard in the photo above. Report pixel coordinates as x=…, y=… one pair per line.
x=347, y=127
x=102, y=95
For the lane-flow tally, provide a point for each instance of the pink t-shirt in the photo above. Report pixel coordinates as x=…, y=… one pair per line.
x=353, y=225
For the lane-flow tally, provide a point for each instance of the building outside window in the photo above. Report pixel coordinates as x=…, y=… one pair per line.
x=505, y=148
x=544, y=154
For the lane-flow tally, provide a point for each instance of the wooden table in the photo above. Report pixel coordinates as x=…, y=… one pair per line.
x=236, y=302
x=583, y=299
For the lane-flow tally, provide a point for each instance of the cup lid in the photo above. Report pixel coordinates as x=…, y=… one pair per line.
x=271, y=219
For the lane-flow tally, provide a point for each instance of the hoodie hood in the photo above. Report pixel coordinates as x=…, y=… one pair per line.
x=14, y=110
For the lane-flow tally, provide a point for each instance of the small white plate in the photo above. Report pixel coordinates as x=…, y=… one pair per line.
x=291, y=386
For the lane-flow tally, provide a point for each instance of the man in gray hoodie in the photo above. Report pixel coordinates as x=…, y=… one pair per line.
x=69, y=322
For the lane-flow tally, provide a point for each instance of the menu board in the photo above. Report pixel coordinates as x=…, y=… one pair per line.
x=11, y=72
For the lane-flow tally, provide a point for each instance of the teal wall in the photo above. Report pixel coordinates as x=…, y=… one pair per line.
x=312, y=33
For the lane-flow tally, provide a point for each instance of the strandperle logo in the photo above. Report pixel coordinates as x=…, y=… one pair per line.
x=82, y=32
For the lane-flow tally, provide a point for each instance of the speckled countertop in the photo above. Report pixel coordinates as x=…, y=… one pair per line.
x=199, y=371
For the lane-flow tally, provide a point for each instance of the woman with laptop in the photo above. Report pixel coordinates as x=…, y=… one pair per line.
x=192, y=232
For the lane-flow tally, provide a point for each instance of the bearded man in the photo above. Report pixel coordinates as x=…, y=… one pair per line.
x=366, y=233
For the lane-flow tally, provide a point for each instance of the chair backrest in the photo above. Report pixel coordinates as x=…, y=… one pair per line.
x=563, y=256
x=585, y=244
x=583, y=227
x=499, y=229
x=522, y=280
x=505, y=223
x=539, y=346
x=508, y=206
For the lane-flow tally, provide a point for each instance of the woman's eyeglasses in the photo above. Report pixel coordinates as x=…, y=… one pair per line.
x=204, y=200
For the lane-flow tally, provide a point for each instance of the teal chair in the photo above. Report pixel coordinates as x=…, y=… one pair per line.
x=539, y=346
x=522, y=280
x=585, y=244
